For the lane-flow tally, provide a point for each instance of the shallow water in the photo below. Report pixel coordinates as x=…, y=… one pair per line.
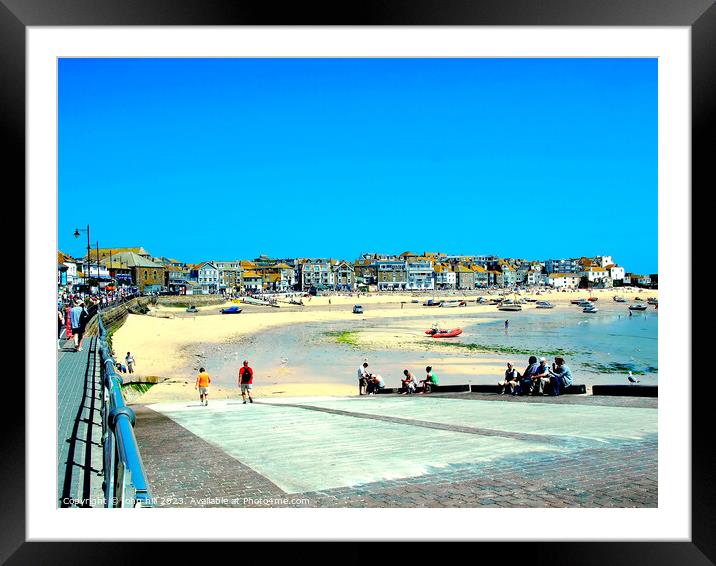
x=599, y=348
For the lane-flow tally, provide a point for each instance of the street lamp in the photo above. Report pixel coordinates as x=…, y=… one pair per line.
x=89, y=247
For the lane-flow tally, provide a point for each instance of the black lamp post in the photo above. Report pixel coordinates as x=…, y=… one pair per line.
x=89, y=247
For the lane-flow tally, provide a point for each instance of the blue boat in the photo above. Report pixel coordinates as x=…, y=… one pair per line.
x=231, y=310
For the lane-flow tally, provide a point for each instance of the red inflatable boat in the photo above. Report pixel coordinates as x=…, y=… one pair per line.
x=444, y=333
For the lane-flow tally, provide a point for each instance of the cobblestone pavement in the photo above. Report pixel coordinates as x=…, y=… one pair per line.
x=186, y=471
x=79, y=426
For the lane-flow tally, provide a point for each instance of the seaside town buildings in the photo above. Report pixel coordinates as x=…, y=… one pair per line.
x=135, y=266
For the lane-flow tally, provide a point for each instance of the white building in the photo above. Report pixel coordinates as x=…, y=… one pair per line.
x=420, y=274
x=616, y=272
x=317, y=273
x=445, y=278
x=596, y=275
x=207, y=276
x=563, y=280
x=603, y=260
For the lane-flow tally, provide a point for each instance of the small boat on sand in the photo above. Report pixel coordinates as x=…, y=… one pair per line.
x=445, y=333
x=544, y=305
x=576, y=301
x=230, y=310
x=431, y=303
x=590, y=309
x=652, y=301
x=593, y=299
x=509, y=307
x=637, y=307
x=619, y=299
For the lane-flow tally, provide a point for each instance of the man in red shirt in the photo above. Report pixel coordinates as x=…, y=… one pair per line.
x=246, y=380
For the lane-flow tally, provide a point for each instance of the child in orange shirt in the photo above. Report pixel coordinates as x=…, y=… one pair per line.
x=202, y=384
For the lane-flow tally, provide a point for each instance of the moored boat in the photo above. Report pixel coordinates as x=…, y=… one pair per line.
x=590, y=309
x=447, y=333
x=230, y=310
x=544, y=305
x=508, y=307
x=637, y=307
x=652, y=301
x=619, y=299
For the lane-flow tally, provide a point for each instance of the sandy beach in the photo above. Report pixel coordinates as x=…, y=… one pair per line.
x=168, y=342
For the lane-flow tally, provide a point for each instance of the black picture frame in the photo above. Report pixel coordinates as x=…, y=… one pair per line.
x=699, y=15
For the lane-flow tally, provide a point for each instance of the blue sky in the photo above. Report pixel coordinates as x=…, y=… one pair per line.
x=231, y=158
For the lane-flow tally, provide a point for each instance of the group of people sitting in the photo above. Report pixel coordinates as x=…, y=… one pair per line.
x=538, y=378
x=370, y=383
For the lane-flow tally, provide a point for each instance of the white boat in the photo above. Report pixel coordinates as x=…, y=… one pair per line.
x=637, y=307
x=584, y=304
x=619, y=299
x=652, y=301
x=510, y=307
x=450, y=304
x=590, y=309
x=544, y=305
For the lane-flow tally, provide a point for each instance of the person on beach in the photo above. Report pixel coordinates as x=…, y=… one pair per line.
x=561, y=376
x=130, y=362
x=409, y=383
x=375, y=383
x=511, y=380
x=507, y=325
x=246, y=381
x=430, y=381
x=363, y=376
x=526, y=383
x=202, y=384
x=541, y=378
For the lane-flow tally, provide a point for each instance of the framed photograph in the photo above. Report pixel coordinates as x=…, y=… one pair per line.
x=262, y=224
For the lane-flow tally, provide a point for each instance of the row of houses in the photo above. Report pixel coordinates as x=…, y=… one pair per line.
x=404, y=272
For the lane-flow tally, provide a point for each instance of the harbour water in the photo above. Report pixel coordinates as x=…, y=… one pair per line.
x=600, y=347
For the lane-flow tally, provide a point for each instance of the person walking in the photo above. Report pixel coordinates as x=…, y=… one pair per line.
x=246, y=381
x=78, y=321
x=129, y=358
x=202, y=384
x=60, y=326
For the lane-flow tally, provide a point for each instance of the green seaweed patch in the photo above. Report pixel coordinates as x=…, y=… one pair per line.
x=139, y=387
x=348, y=337
x=619, y=367
x=496, y=349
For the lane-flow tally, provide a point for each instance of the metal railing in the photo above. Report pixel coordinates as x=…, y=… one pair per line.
x=125, y=482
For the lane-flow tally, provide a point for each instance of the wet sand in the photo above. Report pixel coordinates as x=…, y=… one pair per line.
x=171, y=343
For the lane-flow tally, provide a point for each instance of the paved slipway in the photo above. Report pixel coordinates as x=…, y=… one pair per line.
x=441, y=450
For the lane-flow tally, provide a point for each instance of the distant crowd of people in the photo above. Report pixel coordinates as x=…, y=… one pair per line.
x=74, y=311
x=538, y=378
